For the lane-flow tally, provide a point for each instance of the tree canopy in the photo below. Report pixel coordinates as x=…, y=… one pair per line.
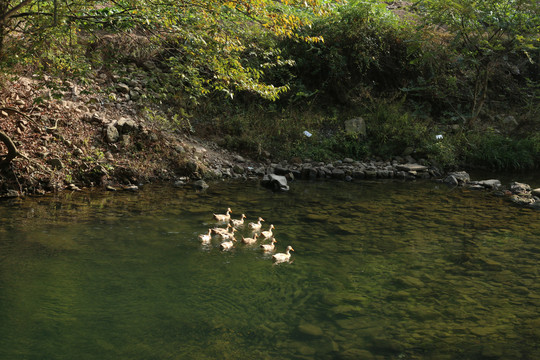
x=209, y=42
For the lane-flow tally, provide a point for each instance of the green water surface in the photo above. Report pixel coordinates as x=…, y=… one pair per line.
x=381, y=271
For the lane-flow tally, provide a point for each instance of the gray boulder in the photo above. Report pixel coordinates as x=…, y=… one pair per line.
x=275, y=182
x=338, y=174
x=122, y=88
x=200, y=185
x=520, y=188
x=490, y=184
x=126, y=125
x=356, y=126
x=458, y=178
x=111, y=133
x=411, y=167
x=522, y=200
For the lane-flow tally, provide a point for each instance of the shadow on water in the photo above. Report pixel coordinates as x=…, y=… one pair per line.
x=380, y=271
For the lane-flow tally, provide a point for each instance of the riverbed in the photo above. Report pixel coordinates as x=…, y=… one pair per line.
x=381, y=270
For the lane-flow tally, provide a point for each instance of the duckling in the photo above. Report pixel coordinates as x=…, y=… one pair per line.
x=205, y=238
x=227, y=245
x=250, y=241
x=282, y=257
x=269, y=247
x=229, y=235
x=268, y=234
x=256, y=226
x=223, y=217
x=220, y=231
x=238, y=223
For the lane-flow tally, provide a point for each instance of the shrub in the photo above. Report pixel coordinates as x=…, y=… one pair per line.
x=364, y=52
x=500, y=152
x=391, y=130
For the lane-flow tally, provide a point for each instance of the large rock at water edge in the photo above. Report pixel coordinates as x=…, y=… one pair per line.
x=200, y=185
x=520, y=189
x=412, y=167
x=458, y=178
x=490, y=184
x=275, y=182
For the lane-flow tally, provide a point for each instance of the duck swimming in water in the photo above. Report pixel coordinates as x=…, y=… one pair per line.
x=256, y=226
x=223, y=217
x=221, y=231
x=205, y=238
x=268, y=234
x=269, y=247
x=282, y=257
x=250, y=241
x=238, y=223
x=227, y=245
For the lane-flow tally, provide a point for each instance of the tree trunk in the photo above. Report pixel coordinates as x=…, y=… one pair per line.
x=1, y=42
x=12, y=150
x=480, y=92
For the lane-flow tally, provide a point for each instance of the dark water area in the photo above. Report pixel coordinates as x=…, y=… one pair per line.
x=381, y=270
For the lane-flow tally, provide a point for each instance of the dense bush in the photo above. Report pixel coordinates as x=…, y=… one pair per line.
x=364, y=53
x=500, y=152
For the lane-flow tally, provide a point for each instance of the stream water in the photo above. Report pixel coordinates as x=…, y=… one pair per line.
x=392, y=270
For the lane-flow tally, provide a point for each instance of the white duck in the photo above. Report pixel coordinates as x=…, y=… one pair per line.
x=237, y=223
x=229, y=235
x=250, y=241
x=221, y=231
x=223, y=217
x=205, y=238
x=256, y=226
x=227, y=245
x=268, y=234
x=282, y=257
x=269, y=247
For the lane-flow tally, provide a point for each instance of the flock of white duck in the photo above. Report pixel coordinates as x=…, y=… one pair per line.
x=227, y=235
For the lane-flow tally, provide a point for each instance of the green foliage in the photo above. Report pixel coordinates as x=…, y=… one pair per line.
x=330, y=147
x=446, y=152
x=392, y=129
x=499, y=152
x=364, y=52
x=486, y=35
x=207, y=45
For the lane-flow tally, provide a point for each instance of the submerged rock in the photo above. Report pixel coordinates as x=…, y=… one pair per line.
x=310, y=329
x=356, y=354
x=200, y=185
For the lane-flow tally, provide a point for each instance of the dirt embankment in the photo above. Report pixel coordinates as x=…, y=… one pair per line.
x=101, y=134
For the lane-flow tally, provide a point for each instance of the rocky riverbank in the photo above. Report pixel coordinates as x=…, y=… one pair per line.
x=101, y=135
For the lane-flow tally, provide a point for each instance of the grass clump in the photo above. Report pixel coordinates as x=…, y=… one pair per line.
x=500, y=152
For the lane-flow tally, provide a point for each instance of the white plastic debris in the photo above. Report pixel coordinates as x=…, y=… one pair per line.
x=438, y=137
x=307, y=133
